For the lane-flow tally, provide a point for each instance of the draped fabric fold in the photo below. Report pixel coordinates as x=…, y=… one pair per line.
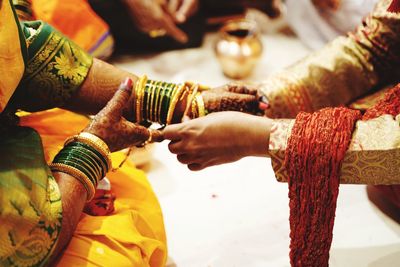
x=77, y=20
x=316, y=148
x=313, y=158
x=12, y=53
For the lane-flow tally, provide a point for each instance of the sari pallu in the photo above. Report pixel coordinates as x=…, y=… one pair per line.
x=30, y=202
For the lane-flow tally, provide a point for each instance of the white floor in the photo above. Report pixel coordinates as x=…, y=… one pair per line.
x=237, y=214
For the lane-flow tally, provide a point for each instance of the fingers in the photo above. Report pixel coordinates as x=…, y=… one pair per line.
x=187, y=8
x=242, y=89
x=173, y=31
x=195, y=167
x=138, y=134
x=227, y=101
x=117, y=103
x=157, y=136
x=186, y=158
x=175, y=147
x=247, y=103
x=172, y=132
x=173, y=6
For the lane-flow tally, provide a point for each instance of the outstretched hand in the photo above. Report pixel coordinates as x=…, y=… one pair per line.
x=114, y=129
x=218, y=138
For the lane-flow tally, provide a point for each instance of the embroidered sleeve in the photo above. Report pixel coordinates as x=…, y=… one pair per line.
x=55, y=70
x=344, y=70
x=373, y=156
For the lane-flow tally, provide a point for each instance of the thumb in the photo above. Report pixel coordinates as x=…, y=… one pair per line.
x=116, y=104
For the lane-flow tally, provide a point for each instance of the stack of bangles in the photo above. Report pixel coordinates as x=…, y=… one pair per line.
x=85, y=157
x=156, y=100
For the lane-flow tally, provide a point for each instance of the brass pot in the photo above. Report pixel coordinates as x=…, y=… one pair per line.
x=238, y=48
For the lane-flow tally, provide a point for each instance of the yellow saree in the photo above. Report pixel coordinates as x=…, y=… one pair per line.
x=48, y=67
x=134, y=234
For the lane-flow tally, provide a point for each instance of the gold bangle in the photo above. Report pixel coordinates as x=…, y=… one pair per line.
x=143, y=97
x=154, y=99
x=149, y=99
x=200, y=105
x=80, y=176
x=175, y=98
x=94, y=141
x=194, y=109
x=192, y=93
x=139, y=89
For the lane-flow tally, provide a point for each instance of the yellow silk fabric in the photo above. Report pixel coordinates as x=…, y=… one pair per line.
x=134, y=234
x=77, y=20
x=11, y=60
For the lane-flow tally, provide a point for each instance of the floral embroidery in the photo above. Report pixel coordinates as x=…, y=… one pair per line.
x=31, y=208
x=54, y=72
x=68, y=66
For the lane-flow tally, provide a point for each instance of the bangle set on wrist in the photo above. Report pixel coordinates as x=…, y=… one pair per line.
x=156, y=101
x=85, y=157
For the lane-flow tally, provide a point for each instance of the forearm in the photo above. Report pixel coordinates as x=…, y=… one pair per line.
x=102, y=81
x=73, y=198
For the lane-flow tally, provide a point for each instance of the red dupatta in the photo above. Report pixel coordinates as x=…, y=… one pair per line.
x=313, y=159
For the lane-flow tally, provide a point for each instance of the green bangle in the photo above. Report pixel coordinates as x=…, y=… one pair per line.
x=165, y=104
x=80, y=154
x=90, y=148
x=159, y=104
x=154, y=102
x=151, y=99
x=85, y=171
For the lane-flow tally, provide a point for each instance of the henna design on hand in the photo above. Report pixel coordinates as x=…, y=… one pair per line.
x=114, y=129
x=233, y=97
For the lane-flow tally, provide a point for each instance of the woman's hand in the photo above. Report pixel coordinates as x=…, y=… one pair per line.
x=235, y=97
x=115, y=130
x=218, y=138
x=158, y=17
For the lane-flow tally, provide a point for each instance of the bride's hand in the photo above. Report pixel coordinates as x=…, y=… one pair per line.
x=234, y=97
x=117, y=132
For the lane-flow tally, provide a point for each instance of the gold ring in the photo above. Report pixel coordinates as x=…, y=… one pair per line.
x=157, y=33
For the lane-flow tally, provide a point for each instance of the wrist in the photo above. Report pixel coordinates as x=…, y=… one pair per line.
x=259, y=140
